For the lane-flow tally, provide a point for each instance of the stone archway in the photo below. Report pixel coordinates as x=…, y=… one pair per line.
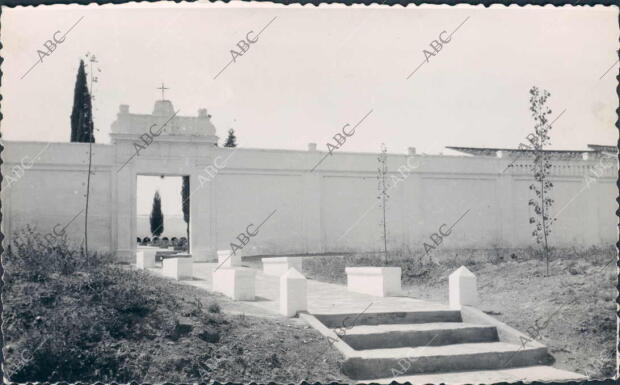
x=163, y=143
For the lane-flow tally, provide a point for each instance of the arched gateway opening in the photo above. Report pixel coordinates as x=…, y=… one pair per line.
x=164, y=143
x=163, y=205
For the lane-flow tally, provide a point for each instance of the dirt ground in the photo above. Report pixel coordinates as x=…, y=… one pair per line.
x=60, y=330
x=269, y=348
x=571, y=311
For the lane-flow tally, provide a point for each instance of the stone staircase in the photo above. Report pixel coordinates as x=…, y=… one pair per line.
x=394, y=345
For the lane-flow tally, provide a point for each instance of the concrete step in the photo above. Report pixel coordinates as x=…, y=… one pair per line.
x=380, y=363
x=412, y=335
x=413, y=317
x=510, y=375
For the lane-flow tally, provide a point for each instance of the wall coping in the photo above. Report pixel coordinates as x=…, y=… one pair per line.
x=371, y=270
x=278, y=259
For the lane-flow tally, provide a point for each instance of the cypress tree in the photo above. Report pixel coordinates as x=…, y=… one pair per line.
x=185, y=202
x=157, y=217
x=82, y=115
x=231, y=141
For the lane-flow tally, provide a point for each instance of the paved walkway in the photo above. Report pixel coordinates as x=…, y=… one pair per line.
x=323, y=298
x=327, y=298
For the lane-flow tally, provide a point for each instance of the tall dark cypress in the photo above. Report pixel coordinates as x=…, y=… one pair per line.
x=231, y=140
x=185, y=202
x=157, y=217
x=82, y=115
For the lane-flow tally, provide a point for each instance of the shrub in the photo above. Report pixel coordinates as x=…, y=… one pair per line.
x=79, y=318
x=35, y=257
x=214, y=308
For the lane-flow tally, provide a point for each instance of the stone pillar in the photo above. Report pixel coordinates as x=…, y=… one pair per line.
x=293, y=293
x=125, y=210
x=236, y=283
x=145, y=257
x=201, y=219
x=372, y=280
x=463, y=288
x=178, y=267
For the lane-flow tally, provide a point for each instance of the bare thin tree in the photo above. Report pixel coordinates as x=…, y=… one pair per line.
x=383, y=195
x=541, y=168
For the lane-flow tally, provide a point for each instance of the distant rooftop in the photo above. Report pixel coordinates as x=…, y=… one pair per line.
x=594, y=150
x=603, y=148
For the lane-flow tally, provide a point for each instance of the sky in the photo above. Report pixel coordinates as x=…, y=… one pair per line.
x=169, y=188
x=313, y=70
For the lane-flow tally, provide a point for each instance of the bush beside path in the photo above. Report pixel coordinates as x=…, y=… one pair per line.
x=71, y=318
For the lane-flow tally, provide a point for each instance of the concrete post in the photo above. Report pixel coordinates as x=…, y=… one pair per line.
x=372, y=280
x=463, y=288
x=236, y=283
x=178, y=267
x=226, y=258
x=145, y=257
x=293, y=293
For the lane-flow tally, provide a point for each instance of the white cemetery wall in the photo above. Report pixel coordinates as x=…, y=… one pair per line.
x=45, y=184
x=333, y=208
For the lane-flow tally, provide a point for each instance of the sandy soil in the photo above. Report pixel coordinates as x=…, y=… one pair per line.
x=571, y=311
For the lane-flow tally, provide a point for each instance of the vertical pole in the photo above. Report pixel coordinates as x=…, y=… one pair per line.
x=90, y=159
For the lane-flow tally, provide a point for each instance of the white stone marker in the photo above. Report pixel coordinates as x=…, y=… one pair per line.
x=377, y=281
x=463, y=288
x=280, y=265
x=180, y=266
x=293, y=293
x=237, y=283
x=225, y=258
x=144, y=260
x=145, y=257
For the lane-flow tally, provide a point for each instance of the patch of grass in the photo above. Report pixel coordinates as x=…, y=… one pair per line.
x=214, y=308
x=331, y=268
x=417, y=266
x=77, y=318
